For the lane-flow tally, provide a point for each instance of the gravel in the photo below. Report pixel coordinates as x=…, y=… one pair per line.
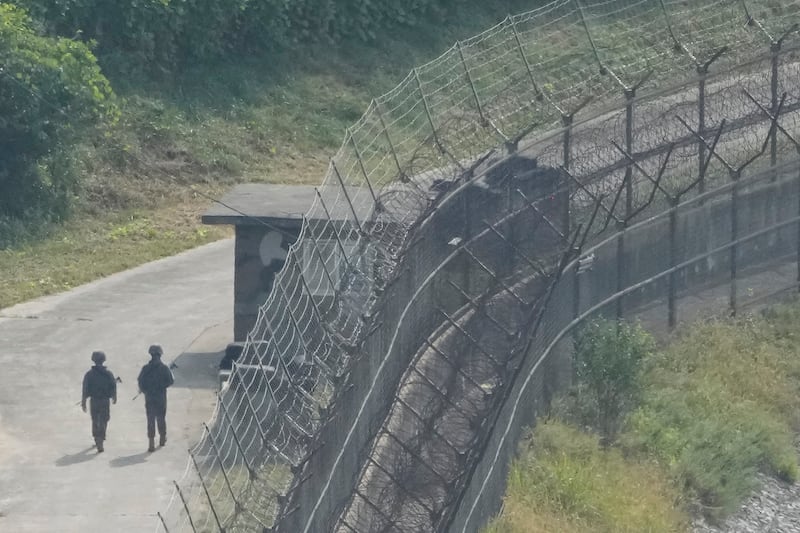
x=773, y=507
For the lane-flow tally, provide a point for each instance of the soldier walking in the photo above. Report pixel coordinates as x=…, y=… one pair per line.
x=99, y=385
x=153, y=380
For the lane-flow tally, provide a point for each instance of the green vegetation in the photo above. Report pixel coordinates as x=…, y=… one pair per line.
x=721, y=404
x=51, y=89
x=566, y=482
x=270, y=116
x=211, y=93
x=170, y=32
x=608, y=361
x=81, y=251
x=715, y=407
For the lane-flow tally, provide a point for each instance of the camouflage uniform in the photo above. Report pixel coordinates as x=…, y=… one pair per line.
x=153, y=380
x=99, y=385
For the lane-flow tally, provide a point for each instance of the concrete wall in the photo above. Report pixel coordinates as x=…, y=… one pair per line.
x=407, y=313
x=646, y=253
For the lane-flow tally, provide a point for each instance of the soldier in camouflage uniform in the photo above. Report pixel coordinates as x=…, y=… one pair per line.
x=99, y=385
x=153, y=380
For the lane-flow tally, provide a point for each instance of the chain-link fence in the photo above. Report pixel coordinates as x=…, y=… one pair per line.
x=438, y=262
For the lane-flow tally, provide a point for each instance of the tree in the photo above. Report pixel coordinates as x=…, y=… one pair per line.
x=51, y=92
x=608, y=363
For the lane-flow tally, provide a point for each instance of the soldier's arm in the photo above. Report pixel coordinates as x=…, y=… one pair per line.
x=170, y=377
x=114, y=388
x=85, y=391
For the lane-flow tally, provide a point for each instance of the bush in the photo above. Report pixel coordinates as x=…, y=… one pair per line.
x=51, y=92
x=608, y=364
x=170, y=32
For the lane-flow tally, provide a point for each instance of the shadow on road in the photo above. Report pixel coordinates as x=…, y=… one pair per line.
x=75, y=458
x=197, y=370
x=129, y=460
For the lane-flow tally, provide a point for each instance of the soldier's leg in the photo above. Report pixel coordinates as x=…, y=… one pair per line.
x=151, y=420
x=161, y=420
x=151, y=425
x=99, y=421
x=104, y=412
x=95, y=425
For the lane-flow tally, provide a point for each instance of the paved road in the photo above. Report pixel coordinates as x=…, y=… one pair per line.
x=51, y=479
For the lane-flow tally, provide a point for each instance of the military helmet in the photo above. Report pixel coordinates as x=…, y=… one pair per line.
x=98, y=357
x=155, y=350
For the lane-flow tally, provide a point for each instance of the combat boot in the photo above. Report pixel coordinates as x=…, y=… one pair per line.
x=162, y=440
x=152, y=445
x=99, y=444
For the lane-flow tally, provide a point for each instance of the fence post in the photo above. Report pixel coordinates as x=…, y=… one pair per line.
x=321, y=258
x=208, y=496
x=163, y=522
x=621, y=227
x=333, y=228
x=346, y=197
x=734, y=238
x=566, y=121
x=673, y=260
x=361, y=160
x=701, y=126
x=185, y=506
x=629, y=99
x=227, y=418
x=484, y=122
x=427, y=110
x=775, y=49
x=702, y=72
x=224, y=470
x=537, y=92
x=798, y=226
x=395, y=158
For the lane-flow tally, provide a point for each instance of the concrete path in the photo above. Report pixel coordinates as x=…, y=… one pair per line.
x=51, y=478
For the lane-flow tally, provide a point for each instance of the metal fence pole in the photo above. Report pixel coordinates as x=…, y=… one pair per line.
x=471, y=84
x=673, y=260
x=185, y=506
x=775, y=49
x=208, y=496
x=222, y=467
x=629, y=101
x=333, y=228
x=395, y=158
x=621, y=227
x=427, y=111
x=798, y=227
x=734, y=239
x=163, y=522
x=346, y=197
x=701, y=126
x=566, y=121
x=227, y=418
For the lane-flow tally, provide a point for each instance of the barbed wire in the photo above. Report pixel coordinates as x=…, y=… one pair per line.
x=440, y=233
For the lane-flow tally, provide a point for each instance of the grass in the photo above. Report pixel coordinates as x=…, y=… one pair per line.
x=87, y=249
x=718, y=405
x=722, y=404
x=565, y=481
x=275, y=119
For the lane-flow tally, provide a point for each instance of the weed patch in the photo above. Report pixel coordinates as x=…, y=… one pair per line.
x=704, y=415
x=566, y=481
x=720, y=405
